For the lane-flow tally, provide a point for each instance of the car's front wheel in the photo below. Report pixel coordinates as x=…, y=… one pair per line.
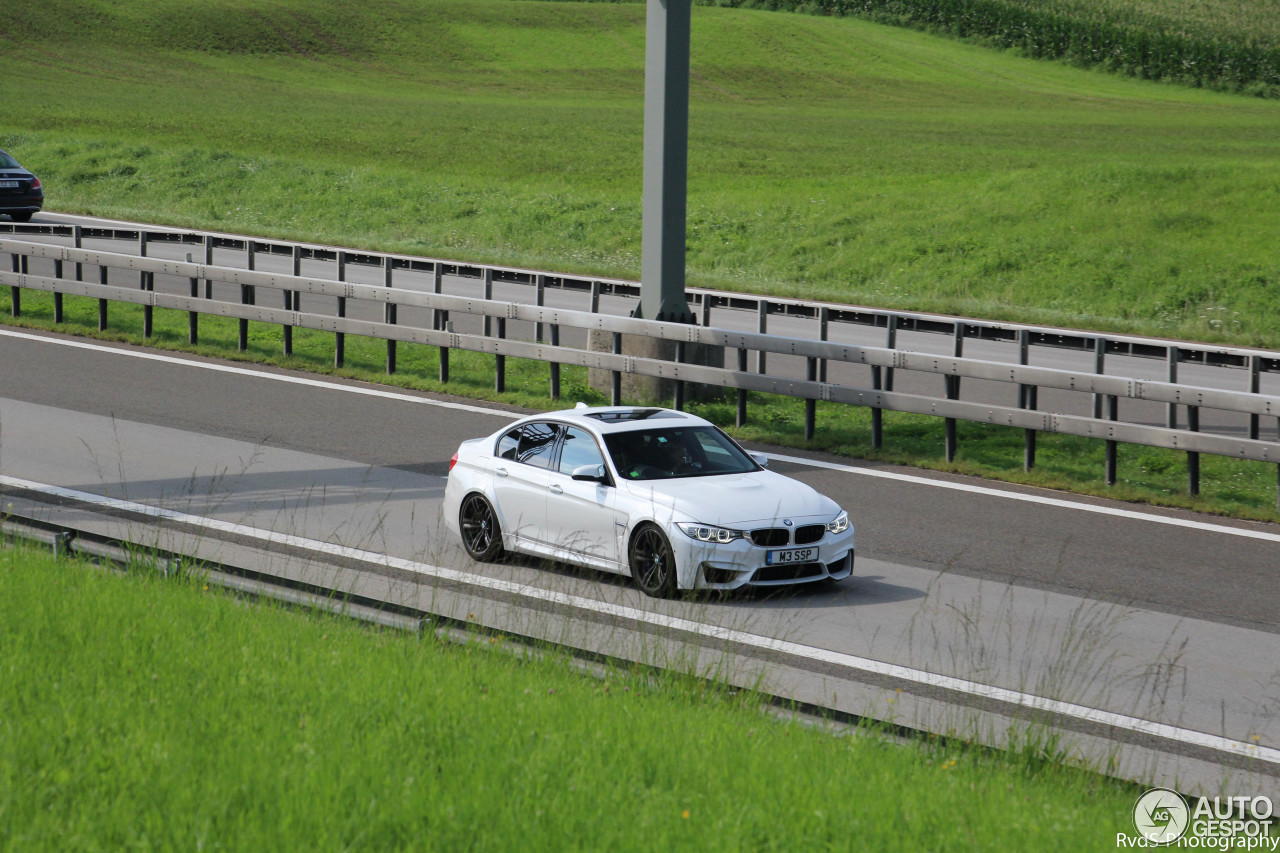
x=653, y=563
x=481, y=533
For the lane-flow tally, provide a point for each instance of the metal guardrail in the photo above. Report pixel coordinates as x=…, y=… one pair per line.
x=1106, y=390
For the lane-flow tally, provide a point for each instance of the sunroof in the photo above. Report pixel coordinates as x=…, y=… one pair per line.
x=634, y=415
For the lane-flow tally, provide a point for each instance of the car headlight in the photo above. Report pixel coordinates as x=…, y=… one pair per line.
x=840, y=524
x=709, y=533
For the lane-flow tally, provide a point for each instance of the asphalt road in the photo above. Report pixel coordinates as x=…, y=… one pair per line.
x=1161, y=617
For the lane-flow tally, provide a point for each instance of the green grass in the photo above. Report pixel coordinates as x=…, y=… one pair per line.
x=829, y=158
x=148, y=713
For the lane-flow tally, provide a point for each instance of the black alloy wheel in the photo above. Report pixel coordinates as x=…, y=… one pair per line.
x=653, y=564
x=481, y=533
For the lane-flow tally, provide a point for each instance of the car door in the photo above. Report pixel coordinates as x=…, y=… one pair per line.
x=522, y=472
x=581, y=515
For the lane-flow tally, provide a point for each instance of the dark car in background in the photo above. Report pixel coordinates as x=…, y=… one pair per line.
x=21, y=195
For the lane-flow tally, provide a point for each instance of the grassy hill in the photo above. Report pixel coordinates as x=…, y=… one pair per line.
x=830, y=158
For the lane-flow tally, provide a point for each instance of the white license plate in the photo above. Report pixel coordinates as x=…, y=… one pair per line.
x=8, y=185
x=790, y=555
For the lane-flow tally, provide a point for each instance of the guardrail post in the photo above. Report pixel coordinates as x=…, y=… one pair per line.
x=339, y=338
x=488, y=295
x=958, y=352
x=708, y=302
x=291, y=301
x=247, y=297
x=1026, y=400
x=1173, y=356
x=615, y=394
x=811, y=404
x=102, y=303
x=443, y=317
x=741, y=419
x=952, y=387
x=678, y=402
x=389, y=313
x=555, y=365
x=595, y=297
x=762, y=326
x=877, y=413
x=18, y=263
x=500, y=360
x=1113, y=412
x=57, y=295
x=1255, y=377
x=146, y=281
x=824, y=321
x=77, y=238
x=208, y=262
x=1193, y=458
x=1099, y=367
x=193, y=317
x=539, y=298
x=437, y=287
x=890, y=342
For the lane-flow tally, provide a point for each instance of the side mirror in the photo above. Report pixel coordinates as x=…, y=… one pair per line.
x=591, y=473
x=761, y=459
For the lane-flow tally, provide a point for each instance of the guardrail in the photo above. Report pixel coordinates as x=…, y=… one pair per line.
x=818, y=354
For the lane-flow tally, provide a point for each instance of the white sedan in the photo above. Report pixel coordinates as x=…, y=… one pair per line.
x=660, y=495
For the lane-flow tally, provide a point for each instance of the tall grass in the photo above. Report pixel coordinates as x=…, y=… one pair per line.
x=148, y=713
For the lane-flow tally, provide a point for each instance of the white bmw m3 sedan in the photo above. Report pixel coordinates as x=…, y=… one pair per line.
x=663, y=496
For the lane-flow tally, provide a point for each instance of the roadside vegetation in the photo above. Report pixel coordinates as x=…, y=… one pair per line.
x=830, y=158
x=144, y=712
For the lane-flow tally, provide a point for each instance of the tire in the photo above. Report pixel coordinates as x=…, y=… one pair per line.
x=652, y=562
x=481, y=533
x=21, y=216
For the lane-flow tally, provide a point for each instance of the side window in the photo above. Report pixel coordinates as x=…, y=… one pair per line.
x=578, y=449
x=537, y=441
x=507, y=444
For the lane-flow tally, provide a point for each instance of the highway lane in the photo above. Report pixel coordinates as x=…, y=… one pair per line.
x=1170, y=622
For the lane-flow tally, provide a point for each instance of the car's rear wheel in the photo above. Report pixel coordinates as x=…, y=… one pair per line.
x=653, y=563
x=21, y=216
x=481, y=533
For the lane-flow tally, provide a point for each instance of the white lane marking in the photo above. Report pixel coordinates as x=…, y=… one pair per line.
x=675, y=623
x=833, y=466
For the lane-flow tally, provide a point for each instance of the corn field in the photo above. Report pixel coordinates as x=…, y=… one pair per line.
x=1221, y=44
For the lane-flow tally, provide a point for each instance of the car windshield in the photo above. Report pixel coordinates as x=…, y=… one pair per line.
x=661, y=454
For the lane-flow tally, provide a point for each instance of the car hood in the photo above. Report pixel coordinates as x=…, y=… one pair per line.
x=736, y=500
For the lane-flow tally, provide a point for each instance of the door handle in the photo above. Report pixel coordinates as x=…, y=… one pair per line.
x=501, y=472
x=557, y=489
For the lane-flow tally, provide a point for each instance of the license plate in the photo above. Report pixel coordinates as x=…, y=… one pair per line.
x=790, y=555
x=8, y=185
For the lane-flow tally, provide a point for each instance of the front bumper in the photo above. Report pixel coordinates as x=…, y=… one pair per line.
x=740, y=563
